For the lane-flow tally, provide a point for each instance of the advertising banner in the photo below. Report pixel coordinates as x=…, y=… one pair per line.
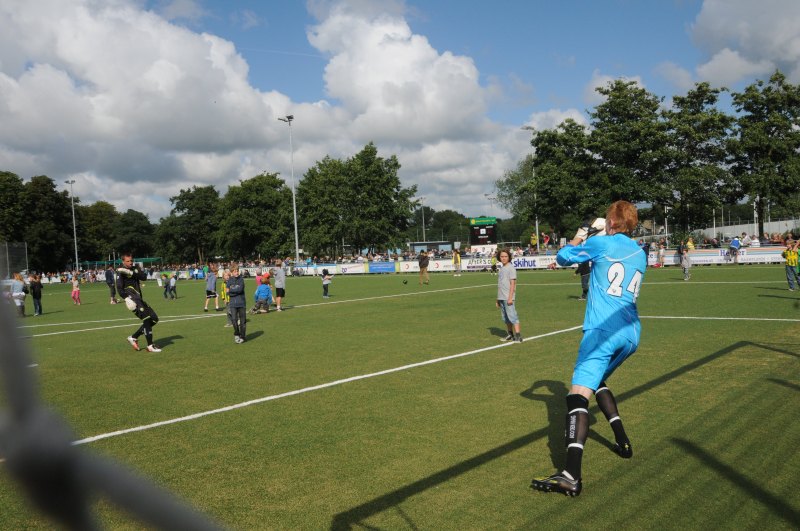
x=351, y=269
x=409, y=266
x=533, y=262
x=381, y=267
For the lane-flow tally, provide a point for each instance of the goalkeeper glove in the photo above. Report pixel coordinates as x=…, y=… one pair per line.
x=582, y=234
x=597, y=228
x=125, y=271
x=130, y=303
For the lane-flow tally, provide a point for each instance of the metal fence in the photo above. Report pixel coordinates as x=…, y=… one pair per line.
x=13, y=258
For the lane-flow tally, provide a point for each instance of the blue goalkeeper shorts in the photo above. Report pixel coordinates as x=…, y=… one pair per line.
x=599, y=355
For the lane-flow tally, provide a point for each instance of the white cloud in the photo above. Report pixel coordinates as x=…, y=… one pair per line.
x=677, y=76
x=135, y=107
x=728, y=66
x=744, y=38
x=393, y=81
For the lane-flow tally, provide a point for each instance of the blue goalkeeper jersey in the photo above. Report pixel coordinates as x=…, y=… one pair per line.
x=618, y=266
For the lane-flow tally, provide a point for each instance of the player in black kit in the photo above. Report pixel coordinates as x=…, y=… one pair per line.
x=128, y=278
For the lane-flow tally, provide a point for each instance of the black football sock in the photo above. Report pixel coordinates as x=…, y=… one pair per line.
x=608, y=405
x=576, y=432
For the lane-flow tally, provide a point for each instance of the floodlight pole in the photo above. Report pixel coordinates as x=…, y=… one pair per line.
x=535, y=202
x=288, y=119
x=70, y=182
x=666, y=226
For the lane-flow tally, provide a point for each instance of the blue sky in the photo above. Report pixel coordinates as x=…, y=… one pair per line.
x=138, y=99
x=541, y=53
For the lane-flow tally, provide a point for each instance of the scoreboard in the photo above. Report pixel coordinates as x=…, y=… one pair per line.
x=482, y=231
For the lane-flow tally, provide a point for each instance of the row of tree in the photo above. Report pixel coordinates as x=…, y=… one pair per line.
x=358, y=202
x=691, y=158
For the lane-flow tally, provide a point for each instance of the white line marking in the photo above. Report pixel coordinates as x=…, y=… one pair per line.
x=309, y=389
x=718, y=318
x=118, y=326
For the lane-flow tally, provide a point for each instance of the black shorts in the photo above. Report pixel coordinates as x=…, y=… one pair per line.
x=211, y=294
x=144, y=311
x=280, y=292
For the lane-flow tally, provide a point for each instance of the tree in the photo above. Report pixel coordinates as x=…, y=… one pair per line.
x=560, y=183
x=448, y=224
x=627, y=142
x=12, y=218
x=134, y=233
x=196, y=214
x=48, y=225
x=766, y=144
x=696, y=153
x=257, y=218
x=360, y=201
x=321, y=203
x=96, y=224
x=377, y=206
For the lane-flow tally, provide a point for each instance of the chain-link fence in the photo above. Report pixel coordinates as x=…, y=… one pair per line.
x=13, y=258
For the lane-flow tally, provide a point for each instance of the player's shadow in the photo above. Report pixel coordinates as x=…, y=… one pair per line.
x=772, y=288
x=254, y=335
x=499, y=332
x=168, y=340
x=554, y=399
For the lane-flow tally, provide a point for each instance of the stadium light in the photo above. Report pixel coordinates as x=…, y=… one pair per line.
x=535, y=203
x=288, y=119
x=70, y=182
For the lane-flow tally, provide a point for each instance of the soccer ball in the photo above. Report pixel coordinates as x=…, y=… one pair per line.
x=405, y=282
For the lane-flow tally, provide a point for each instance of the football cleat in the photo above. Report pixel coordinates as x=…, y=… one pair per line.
x=134, y=343
x=509, y=337
x=624, y=450
x=153, y=348
x=558, y=482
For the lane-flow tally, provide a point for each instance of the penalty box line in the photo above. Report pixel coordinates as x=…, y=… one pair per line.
x=310, y=389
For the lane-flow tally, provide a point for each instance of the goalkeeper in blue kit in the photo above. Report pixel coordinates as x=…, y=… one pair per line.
x=611, y=331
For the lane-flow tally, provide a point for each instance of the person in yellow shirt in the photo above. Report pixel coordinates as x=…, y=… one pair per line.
x=690, y=244
x=457, y=262
x=790, y=255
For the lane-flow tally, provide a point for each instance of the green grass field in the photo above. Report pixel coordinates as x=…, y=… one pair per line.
x=707, y=401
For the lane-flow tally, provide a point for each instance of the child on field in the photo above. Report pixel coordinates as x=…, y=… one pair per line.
x=263, y=297
x=173, y=287
x=225, y=276
x=76, y=289
x=326, y=281
x=36, y=293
